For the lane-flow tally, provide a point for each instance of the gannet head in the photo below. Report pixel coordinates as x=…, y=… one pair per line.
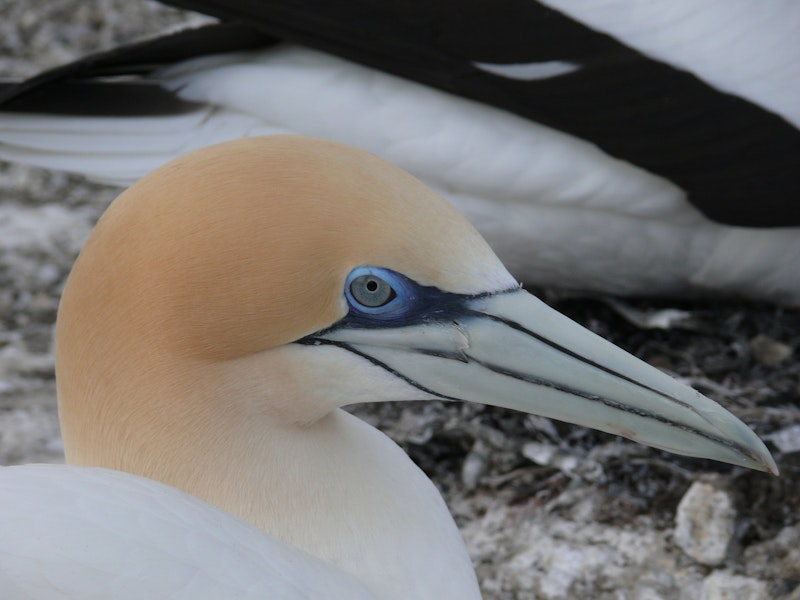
x=281, y=278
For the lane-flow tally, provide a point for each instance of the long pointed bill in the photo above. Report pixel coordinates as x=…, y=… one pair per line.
x=512, y=350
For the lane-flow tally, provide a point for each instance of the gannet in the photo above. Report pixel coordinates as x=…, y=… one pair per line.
x=662, y=145
x=223, y=312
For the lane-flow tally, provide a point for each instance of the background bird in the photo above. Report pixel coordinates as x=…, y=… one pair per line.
x=45, y=218
x=677, y=178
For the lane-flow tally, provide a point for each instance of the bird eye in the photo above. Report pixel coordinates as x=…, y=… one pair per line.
x=380, y=297
x=371, y=291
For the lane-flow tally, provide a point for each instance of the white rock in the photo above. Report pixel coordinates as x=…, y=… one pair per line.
x=541, y=454
x=474, y=465
x=722, y=585
x=552, y=568
x=704, y=523
x=29, y=433
x=787, y=440
x=548, y=455
x=776, y=558
x=544, y=557
x=769, y=352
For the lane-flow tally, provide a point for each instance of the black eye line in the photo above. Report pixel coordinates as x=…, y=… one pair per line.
x=431, y=305
x=453, y=308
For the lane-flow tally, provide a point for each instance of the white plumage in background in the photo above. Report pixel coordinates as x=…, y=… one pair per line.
x=659, y=159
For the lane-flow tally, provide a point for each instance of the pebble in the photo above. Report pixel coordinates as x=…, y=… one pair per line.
x=474, y=465
x=704, y=523
x=547, y=455
x=721, y=585
x=787, y=439
x=776, y=558
x=769, y=352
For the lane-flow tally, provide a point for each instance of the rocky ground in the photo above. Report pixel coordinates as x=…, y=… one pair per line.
x=548, y=510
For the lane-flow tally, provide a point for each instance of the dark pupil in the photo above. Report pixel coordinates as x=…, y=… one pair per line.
x=371, y=291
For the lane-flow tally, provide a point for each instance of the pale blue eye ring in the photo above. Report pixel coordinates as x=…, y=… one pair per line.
x=381, y=297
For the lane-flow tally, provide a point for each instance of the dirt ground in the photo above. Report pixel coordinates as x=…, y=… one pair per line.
x=548, y=510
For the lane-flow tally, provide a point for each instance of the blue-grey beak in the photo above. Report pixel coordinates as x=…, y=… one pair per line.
x=512, y=350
